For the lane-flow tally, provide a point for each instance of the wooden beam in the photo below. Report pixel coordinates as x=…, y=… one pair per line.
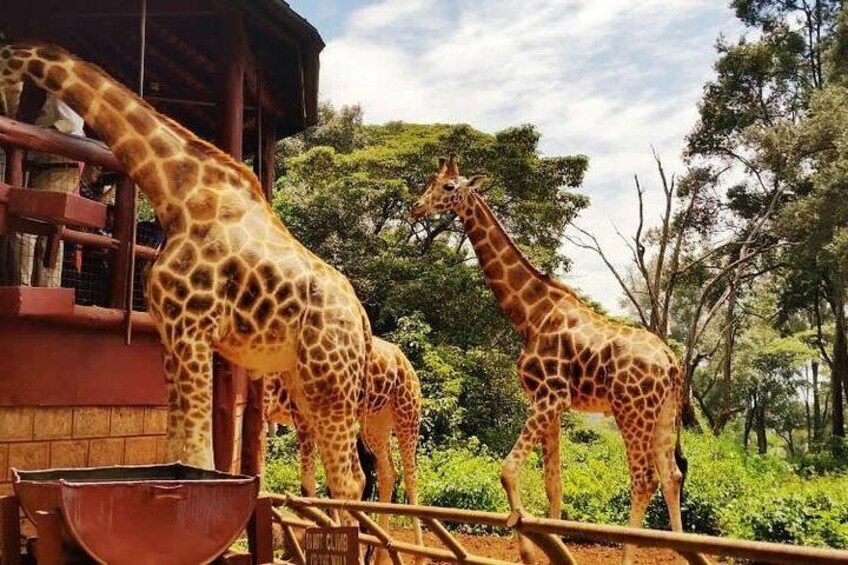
x=10, y=530
x=223, y=413
x=230, y=60
x=25, y=136
x=252, y=434
x=124, y=231
x=49, y=545
x=260, y=535
x=267, y=176
x=55, y=207
x=231, y=67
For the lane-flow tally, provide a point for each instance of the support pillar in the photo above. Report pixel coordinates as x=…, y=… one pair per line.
x=231, y=63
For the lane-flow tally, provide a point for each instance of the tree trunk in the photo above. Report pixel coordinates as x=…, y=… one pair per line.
x=760, y=426
x=749, y=420
x=689, y=418
x=840, y=357
x=817, y=415
x=725, y=410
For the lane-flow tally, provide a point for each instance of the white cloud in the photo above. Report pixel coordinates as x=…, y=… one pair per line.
x=608, y=79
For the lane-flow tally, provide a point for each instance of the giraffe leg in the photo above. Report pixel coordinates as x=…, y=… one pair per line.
x=407, y=429
x=175, y=431
x=377, y=434
x=671, y=479
x=542, y=414
x=189, y=377
x=306, y=451
x=553, y=469
x=643, y=480
x=338, y=454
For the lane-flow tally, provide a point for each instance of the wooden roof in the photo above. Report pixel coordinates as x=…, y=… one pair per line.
x=183, y=46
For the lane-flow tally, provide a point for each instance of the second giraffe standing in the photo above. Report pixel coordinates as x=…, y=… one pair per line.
x=572, y=357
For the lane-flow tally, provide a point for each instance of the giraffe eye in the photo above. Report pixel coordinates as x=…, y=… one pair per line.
x=449, y=186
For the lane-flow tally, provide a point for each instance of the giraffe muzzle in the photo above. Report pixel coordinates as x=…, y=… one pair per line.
x=417, y=211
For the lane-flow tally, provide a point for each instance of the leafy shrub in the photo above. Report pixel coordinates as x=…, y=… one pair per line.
x=727, y=491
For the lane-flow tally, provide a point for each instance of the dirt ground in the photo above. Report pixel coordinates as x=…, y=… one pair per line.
x=506, y=548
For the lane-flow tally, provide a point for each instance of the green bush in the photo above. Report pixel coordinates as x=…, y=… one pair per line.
x=727, y=492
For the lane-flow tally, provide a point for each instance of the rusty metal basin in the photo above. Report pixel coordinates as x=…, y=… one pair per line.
x=175, y=514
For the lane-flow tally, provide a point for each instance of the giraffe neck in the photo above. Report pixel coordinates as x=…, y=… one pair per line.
x=166, y=160
x=521, y=290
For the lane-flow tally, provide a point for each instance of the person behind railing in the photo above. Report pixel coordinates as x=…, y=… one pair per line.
x=87, y=269
x=46, y=172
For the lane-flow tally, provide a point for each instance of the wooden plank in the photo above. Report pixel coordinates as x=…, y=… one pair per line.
x=252, y=428
x=56, y=207
x=230, y=62
x=49, y=545
x=10, y=530
x=223, y=413
x=50, y=364
x=231, y=65
x=18, y=301
x=26, y=136
x=123, y=230
x=260, y=536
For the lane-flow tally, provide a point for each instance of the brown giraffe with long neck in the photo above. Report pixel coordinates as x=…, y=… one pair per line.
x=393, y=404
x=572, y=358
x=231, y=278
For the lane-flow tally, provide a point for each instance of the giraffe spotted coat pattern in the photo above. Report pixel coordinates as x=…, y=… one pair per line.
x=572, y=357
x=231, y=278
x=393, y=405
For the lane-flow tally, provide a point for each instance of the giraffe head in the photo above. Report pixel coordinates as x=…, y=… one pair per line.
x=447, y=190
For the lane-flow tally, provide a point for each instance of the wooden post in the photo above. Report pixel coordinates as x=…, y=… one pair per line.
x=252, y=428
x=10, y=530
x=231, y=60
x=231, y=63
x=260, y=537
x=223, y=413
x=268, y=149
x=15, y=166
x=49, y=544
x=122, y=230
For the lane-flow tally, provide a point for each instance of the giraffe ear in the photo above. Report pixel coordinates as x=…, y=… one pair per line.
x=477, y=181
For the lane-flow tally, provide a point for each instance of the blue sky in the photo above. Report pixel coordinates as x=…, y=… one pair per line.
x=606, y=78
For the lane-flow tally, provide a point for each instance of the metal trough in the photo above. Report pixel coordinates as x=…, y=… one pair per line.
x=175, y=514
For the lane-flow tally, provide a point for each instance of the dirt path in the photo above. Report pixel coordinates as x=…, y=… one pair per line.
x=506, y=548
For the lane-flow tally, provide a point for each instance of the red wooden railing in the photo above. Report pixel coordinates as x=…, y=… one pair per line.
x=59, y=217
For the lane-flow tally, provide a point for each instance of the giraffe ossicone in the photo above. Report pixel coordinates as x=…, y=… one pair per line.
x=572, y=358
x=231, y=278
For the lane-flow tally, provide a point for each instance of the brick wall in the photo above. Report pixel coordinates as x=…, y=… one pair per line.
x=41, y=437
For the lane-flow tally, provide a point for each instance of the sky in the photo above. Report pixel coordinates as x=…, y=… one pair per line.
x=606, y=78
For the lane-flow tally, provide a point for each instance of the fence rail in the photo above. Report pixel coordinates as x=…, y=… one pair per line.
x=543, y=532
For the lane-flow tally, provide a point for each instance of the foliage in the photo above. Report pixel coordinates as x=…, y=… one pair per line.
x=727, y=491
x=346, y=195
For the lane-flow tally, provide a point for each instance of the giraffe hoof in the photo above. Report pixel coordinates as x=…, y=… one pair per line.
x=514, y=517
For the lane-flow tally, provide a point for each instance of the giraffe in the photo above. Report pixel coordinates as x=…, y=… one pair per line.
x=572, y=357
x=230, y=279
x=393, y=405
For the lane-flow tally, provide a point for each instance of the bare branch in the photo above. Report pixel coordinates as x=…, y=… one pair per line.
x=596, y=247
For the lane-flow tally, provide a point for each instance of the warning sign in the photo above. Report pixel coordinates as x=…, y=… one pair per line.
x=332, y=546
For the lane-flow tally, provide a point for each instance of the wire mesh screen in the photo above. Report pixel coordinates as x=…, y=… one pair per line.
x=147, y=233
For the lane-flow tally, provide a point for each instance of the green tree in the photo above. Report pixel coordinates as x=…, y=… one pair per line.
x=765, y=84
x=346, y=195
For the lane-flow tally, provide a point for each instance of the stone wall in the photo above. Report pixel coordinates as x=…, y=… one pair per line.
x=43, y=437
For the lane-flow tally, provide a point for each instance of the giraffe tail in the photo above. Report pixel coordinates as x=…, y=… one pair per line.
x=679, y=458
